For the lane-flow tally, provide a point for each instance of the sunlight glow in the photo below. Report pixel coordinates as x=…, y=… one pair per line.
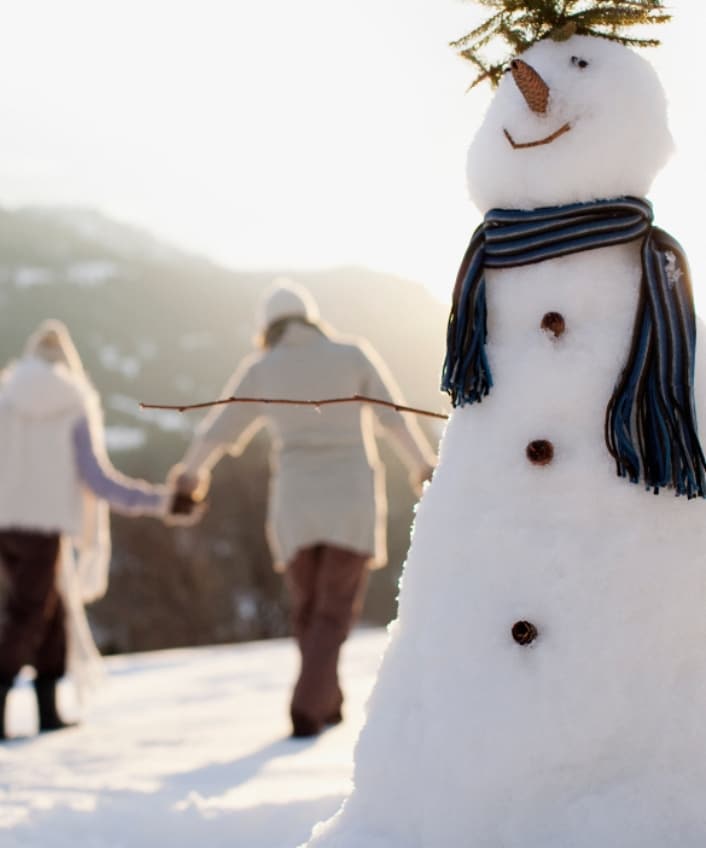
x=280, y=135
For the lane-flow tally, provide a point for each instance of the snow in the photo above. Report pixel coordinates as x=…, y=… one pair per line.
x=183, y=748
x=88, y=273
x=113, y=360
x=121, y=438
x=169, y=421
x=92, y=272
x=29, y=276
x=593, y=735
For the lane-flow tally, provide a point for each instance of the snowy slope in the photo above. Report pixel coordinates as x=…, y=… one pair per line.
x=183, y=748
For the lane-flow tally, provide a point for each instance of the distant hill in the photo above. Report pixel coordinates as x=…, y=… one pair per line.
x=155, y=323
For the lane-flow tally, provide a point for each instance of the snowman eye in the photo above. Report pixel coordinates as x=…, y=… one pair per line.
x=579, y=63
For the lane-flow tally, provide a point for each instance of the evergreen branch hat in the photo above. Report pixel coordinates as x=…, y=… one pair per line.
x=515, y=25
x=286, y=299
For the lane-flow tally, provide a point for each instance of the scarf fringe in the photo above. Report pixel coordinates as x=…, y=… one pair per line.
x=466, y=373
x=651, y=418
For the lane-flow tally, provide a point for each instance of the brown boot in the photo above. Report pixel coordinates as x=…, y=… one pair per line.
x=49, y=719
x=335, y=717
x=304, y=726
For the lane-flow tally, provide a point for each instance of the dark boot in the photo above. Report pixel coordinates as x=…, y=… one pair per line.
x=303, y=726
x=335, y=717
x=49, y=719
x=3, y=698
x=336, y=714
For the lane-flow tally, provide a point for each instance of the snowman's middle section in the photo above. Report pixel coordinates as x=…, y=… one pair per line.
x=559, y=334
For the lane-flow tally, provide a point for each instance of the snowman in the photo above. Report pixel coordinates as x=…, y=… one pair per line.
x=544, y=685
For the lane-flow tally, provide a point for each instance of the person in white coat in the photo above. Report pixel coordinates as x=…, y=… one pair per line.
x=327, y=508
x=56, y=486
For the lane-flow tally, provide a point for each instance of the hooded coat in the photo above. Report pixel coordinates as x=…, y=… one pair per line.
x=55, y=477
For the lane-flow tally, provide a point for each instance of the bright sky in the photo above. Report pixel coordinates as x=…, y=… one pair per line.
x=283, y=134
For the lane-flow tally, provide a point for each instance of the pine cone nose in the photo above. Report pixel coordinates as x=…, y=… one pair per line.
x=533, y=88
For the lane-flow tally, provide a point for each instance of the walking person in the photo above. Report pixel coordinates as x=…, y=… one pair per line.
x=327, y=510
x=56, y=487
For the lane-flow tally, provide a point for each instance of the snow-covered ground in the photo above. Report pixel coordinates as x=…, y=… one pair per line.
x=183, y=748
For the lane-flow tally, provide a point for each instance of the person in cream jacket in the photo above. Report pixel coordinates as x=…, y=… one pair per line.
x=56, y=487
x=327, y=508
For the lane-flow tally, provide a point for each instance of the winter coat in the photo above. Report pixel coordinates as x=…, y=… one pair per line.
x=52, y=458
x=55, y=477
x=327, y=482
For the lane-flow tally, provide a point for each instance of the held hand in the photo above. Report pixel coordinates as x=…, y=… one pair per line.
x=184, y=511
x=191, y=484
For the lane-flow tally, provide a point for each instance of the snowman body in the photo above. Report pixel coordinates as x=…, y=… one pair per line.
x=593, y=733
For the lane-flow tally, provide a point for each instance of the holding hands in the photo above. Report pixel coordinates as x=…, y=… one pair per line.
x=188, y=500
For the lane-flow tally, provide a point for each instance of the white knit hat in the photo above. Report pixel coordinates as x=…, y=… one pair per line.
x=286, y=299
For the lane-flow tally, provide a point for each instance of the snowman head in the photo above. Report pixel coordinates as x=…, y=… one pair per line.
x=571, y=121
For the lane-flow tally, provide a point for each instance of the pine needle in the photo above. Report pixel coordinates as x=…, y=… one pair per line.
x=520, y=23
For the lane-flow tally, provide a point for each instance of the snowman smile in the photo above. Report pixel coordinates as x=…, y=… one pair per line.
x=546, y=140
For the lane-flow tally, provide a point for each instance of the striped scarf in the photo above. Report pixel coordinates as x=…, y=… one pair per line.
x=650, y=425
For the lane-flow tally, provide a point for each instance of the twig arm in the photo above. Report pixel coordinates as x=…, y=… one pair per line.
x=315, y=403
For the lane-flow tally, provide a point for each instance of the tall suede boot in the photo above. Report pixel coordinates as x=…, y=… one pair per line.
x=49, y=719
x=3, y=700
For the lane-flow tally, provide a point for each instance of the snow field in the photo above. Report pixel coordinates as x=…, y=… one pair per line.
x=183, y=748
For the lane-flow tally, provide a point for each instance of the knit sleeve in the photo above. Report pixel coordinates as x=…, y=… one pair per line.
x=406, y=435
x=124, y=494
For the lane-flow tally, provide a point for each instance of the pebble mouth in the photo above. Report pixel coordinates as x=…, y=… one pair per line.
x=517, y=145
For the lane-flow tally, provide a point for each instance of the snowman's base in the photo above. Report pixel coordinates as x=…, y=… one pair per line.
x=625, y=820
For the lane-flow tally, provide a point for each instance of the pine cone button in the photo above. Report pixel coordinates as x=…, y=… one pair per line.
x=540, y=452
x=524, y=632
x=553, y=322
